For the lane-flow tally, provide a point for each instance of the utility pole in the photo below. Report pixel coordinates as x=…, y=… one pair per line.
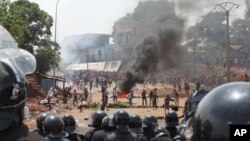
x=113, y=54
x=54, y=67
x=194, y=63
x=87, y=59
x=227, y=6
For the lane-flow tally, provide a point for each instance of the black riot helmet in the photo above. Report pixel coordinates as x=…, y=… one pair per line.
x=107, y=123
x=54, y=126
x=121, y=120
x=225, y=105
x=14, y=64
x=69, y=124
x=135, y=123
x=171, y=118
x=96, y=119
x=149, y=121
x=40, y=120
x=160, y=131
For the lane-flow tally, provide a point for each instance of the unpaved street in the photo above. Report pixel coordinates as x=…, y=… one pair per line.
x=82, y=117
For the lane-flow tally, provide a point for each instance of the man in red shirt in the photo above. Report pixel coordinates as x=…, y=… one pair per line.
x=144, y=98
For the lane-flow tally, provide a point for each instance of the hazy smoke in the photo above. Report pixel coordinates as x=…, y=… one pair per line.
x=73, y=46
x=192, y=10
x=160, y=50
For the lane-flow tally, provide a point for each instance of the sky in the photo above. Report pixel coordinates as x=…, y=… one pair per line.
x=86, y=16
x=98, y=16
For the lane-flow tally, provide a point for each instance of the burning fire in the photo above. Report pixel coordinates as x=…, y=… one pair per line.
x=122, y=94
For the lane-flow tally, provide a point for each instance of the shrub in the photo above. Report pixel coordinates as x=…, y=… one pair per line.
x=122, y=105
x=95, y=105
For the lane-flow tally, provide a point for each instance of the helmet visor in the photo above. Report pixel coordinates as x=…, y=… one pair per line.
x=19, y=59
x=9, y=52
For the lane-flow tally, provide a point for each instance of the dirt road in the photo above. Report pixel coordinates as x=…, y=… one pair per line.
x=83, y=116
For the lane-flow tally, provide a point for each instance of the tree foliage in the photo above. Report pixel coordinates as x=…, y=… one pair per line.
x=30, y=26
x=46, y=57
x=240, y=32
x=148, y=11
x=211, y=29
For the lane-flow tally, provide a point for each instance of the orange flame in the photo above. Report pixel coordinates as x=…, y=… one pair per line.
x=122, y=94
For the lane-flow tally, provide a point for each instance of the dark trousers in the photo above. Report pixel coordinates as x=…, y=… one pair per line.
x=144, y=99
x=154, y=104
x=115, y=100
x=150, y=101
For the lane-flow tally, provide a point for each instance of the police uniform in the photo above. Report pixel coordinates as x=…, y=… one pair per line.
x=48, y=138
x=118, y=136
x=39, y=132
x=147, y=132
x=161, y=134
x=100, y=135
x=70, y=128
x=161, y=138
x=89, y=134
x=173, y=131
x=142, y=137
x=96, y=122
x=122, y=133
x=135, y=125
x=14, y=132
x=107, y=126
x=75, y=137
x=149, y=125
x=172, y=121
x=32, y=137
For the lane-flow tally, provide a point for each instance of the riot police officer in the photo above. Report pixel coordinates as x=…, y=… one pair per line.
x=54, y=128
x=161, y=134
x=172, y=121
x=225, y=105
x=14, y=64
x=70, y=128
x=107, y=127
x=122, y=133
x=149, y=125
x=135, y=124
x=39, y=124
x=96, y=122
x=108, y=124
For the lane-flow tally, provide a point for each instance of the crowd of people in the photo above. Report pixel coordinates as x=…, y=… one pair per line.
x=93, y=78
x=151, y=94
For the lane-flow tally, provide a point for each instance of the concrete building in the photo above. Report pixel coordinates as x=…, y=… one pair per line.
x=87, y=48
x=125, y=38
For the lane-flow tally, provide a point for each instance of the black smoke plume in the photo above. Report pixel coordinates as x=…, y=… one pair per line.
x=161, y=50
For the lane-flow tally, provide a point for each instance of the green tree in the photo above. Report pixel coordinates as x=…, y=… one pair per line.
x=147, y=11
x=46, y=56
x=211, y=29
x=240, y=32
x=30, y=26
x=212, y=47
x=148, y=14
